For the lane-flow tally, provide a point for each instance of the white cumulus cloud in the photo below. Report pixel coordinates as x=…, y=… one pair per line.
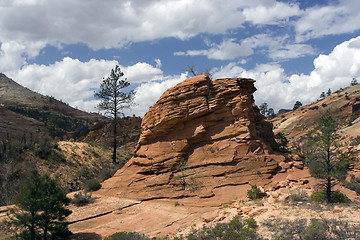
x=106, y=24
x=318, y=21
x=279, y=90
x=227, y=50
x=271, y=14
x=74, y=82
x=14, y=54
x=277, y=48
x=149, y=92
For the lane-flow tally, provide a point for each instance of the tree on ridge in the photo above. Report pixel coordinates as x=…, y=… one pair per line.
x=263, y=108
x=297, y=105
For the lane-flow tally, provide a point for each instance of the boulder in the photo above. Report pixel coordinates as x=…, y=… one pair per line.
x=292, y=178
x=257, y=211
x=209, y=216
x=299, y=165
x=199, y=136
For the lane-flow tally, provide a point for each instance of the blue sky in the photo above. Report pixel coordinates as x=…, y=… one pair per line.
x=293, y=49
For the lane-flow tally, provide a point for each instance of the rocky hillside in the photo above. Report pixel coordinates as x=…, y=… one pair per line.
x=13, y=94
x=344, y=105
x=25, y=113
x=31, y=125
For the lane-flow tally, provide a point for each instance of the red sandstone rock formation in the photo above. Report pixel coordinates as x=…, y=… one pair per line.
x=200, y=135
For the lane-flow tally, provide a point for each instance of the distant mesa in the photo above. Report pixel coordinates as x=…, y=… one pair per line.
x=199, y=137
x=284, y=111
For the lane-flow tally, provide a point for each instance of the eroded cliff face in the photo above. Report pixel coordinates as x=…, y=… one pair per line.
x=199, y=136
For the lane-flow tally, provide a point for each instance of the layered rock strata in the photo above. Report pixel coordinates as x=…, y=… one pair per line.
x=200, y=135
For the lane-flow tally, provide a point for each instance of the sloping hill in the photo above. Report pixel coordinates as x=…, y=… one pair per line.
x=344, y=105
x=13, y=94
x=24, y=112
x=13, y=125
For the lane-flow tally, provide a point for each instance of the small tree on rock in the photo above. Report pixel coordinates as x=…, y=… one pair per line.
x=297, y=105
x=263, y=108
x=353, y=82
x=192, y=71
x=281, y=143
x=271, y=112
x=328, y=93
x=42, y=209
x=113, y=99
x=327, y=161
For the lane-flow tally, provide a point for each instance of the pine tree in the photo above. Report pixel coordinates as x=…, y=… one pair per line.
x=113, y=99
x=281, y=143
x=297, y=105
x=42, y=209
x=271, y=112
x=328, y=93
x=353, y=82
x=327, y=161
x=263, y=108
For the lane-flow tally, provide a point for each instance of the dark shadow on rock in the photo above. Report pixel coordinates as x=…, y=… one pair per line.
x=85, y=236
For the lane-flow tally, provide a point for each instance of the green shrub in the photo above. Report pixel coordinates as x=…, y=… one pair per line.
x=284, y=229
x=315, y=230
x=82, y=199
x=251, y=223
x=355, y=141
x=318, y=196
x=92, y=185
x=43, y=150
x=95, y=154
x=254, y=193
x=336, y=196
x=281, y=143
x=106, y=173
x=298, y=195
x=46, y=150
x=127, y=236
x=234, y=230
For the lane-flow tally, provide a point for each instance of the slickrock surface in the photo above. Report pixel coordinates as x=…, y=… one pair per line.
x=201, y=135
